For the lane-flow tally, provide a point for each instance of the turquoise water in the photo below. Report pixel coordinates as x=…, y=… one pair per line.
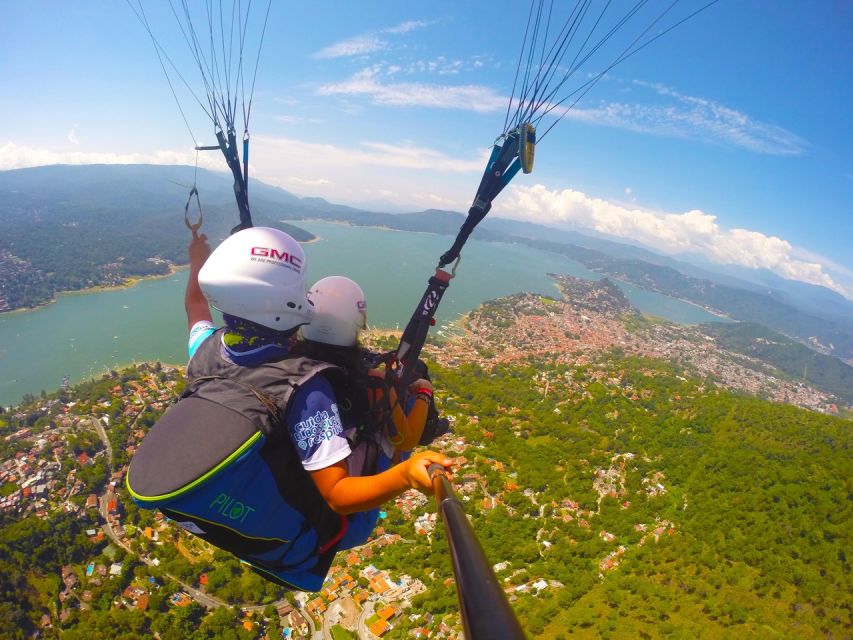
x=83, y=335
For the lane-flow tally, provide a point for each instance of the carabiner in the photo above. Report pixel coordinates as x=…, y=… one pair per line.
x=455, y=264
x=195, y=226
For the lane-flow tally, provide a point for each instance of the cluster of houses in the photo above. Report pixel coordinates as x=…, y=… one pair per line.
x=591, y=320
x=41, y=475
x=389, y=597
x=31, y=480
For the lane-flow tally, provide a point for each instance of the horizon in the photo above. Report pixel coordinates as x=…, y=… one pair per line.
x=388, y=105
x=722, y=272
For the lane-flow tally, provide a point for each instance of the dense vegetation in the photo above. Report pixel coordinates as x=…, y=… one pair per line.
x=757, y=494
x=752, y=515
x=71, y=228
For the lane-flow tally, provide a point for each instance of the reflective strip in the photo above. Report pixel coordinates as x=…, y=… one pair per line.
x=198, y=481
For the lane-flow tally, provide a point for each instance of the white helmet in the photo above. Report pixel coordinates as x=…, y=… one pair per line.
x=340, y=312
x=258, y=274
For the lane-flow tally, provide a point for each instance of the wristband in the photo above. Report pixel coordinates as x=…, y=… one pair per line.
x=425, y=392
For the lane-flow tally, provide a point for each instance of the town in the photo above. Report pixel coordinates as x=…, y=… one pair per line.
x=49, y=472
x=594, y=318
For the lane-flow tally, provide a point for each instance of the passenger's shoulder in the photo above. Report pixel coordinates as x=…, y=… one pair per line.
x=199, y=332
x=318, y=383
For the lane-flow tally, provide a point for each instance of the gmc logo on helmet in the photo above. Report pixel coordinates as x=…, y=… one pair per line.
x=275, y=254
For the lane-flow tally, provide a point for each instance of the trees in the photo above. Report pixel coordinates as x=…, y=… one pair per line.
x=752, y=519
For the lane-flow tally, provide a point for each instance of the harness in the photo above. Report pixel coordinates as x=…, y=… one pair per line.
x=222, y=466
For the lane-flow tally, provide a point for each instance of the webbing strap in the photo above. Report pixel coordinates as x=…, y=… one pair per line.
x=502, y=166
x=229, y=150
x=415, y=334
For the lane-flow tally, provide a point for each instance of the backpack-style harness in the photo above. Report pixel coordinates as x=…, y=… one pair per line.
x=220, y=464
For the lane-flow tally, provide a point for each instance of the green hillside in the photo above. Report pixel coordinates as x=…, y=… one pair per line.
x=72, y=228
x=617, y=499
x=752, y=518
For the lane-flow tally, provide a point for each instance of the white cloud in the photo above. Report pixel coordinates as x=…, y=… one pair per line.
x=72, y=135
x=368, y=82
x=367, y=43
x=407, y=26
x=681, y=116
x=692, y=118
x=409, y=174
x=377, y=154
x=690, y=232
x=357, y=46
x=440, y=66
x=828, y=263
x=13, y=156
x=308, y=182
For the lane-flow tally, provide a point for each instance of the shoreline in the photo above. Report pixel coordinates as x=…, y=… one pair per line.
x=351, y=225
x=715, y=313
x=372, y=333
x=129, y=283
x=90, y=378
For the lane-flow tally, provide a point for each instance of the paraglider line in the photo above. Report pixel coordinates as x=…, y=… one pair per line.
x=157, y=49
x=627, y=53
x=518, y=69
x=257, y=62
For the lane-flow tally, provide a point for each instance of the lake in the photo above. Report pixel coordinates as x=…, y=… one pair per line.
x=82, y=335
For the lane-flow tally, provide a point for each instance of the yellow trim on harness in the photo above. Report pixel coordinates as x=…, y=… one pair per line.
x=198, y=481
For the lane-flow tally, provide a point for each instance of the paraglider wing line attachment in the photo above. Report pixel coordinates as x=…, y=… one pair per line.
x=229, y=150
x=476, y=213
x=510, y=154
x=526, y=146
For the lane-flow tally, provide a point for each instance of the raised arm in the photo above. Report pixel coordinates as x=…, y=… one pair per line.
x=194, y=301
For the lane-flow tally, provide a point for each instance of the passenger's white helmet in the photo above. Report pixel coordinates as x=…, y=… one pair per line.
x=258, y=274
x=340, y=312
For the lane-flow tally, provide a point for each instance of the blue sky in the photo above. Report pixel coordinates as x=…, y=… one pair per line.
x=728, y=139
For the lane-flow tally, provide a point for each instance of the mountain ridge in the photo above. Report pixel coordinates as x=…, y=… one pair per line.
x=111, y=199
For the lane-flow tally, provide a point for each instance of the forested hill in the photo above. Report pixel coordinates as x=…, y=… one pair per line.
x=786, y=355
x=67, y=228
x=618, y=494
x=73, y=227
